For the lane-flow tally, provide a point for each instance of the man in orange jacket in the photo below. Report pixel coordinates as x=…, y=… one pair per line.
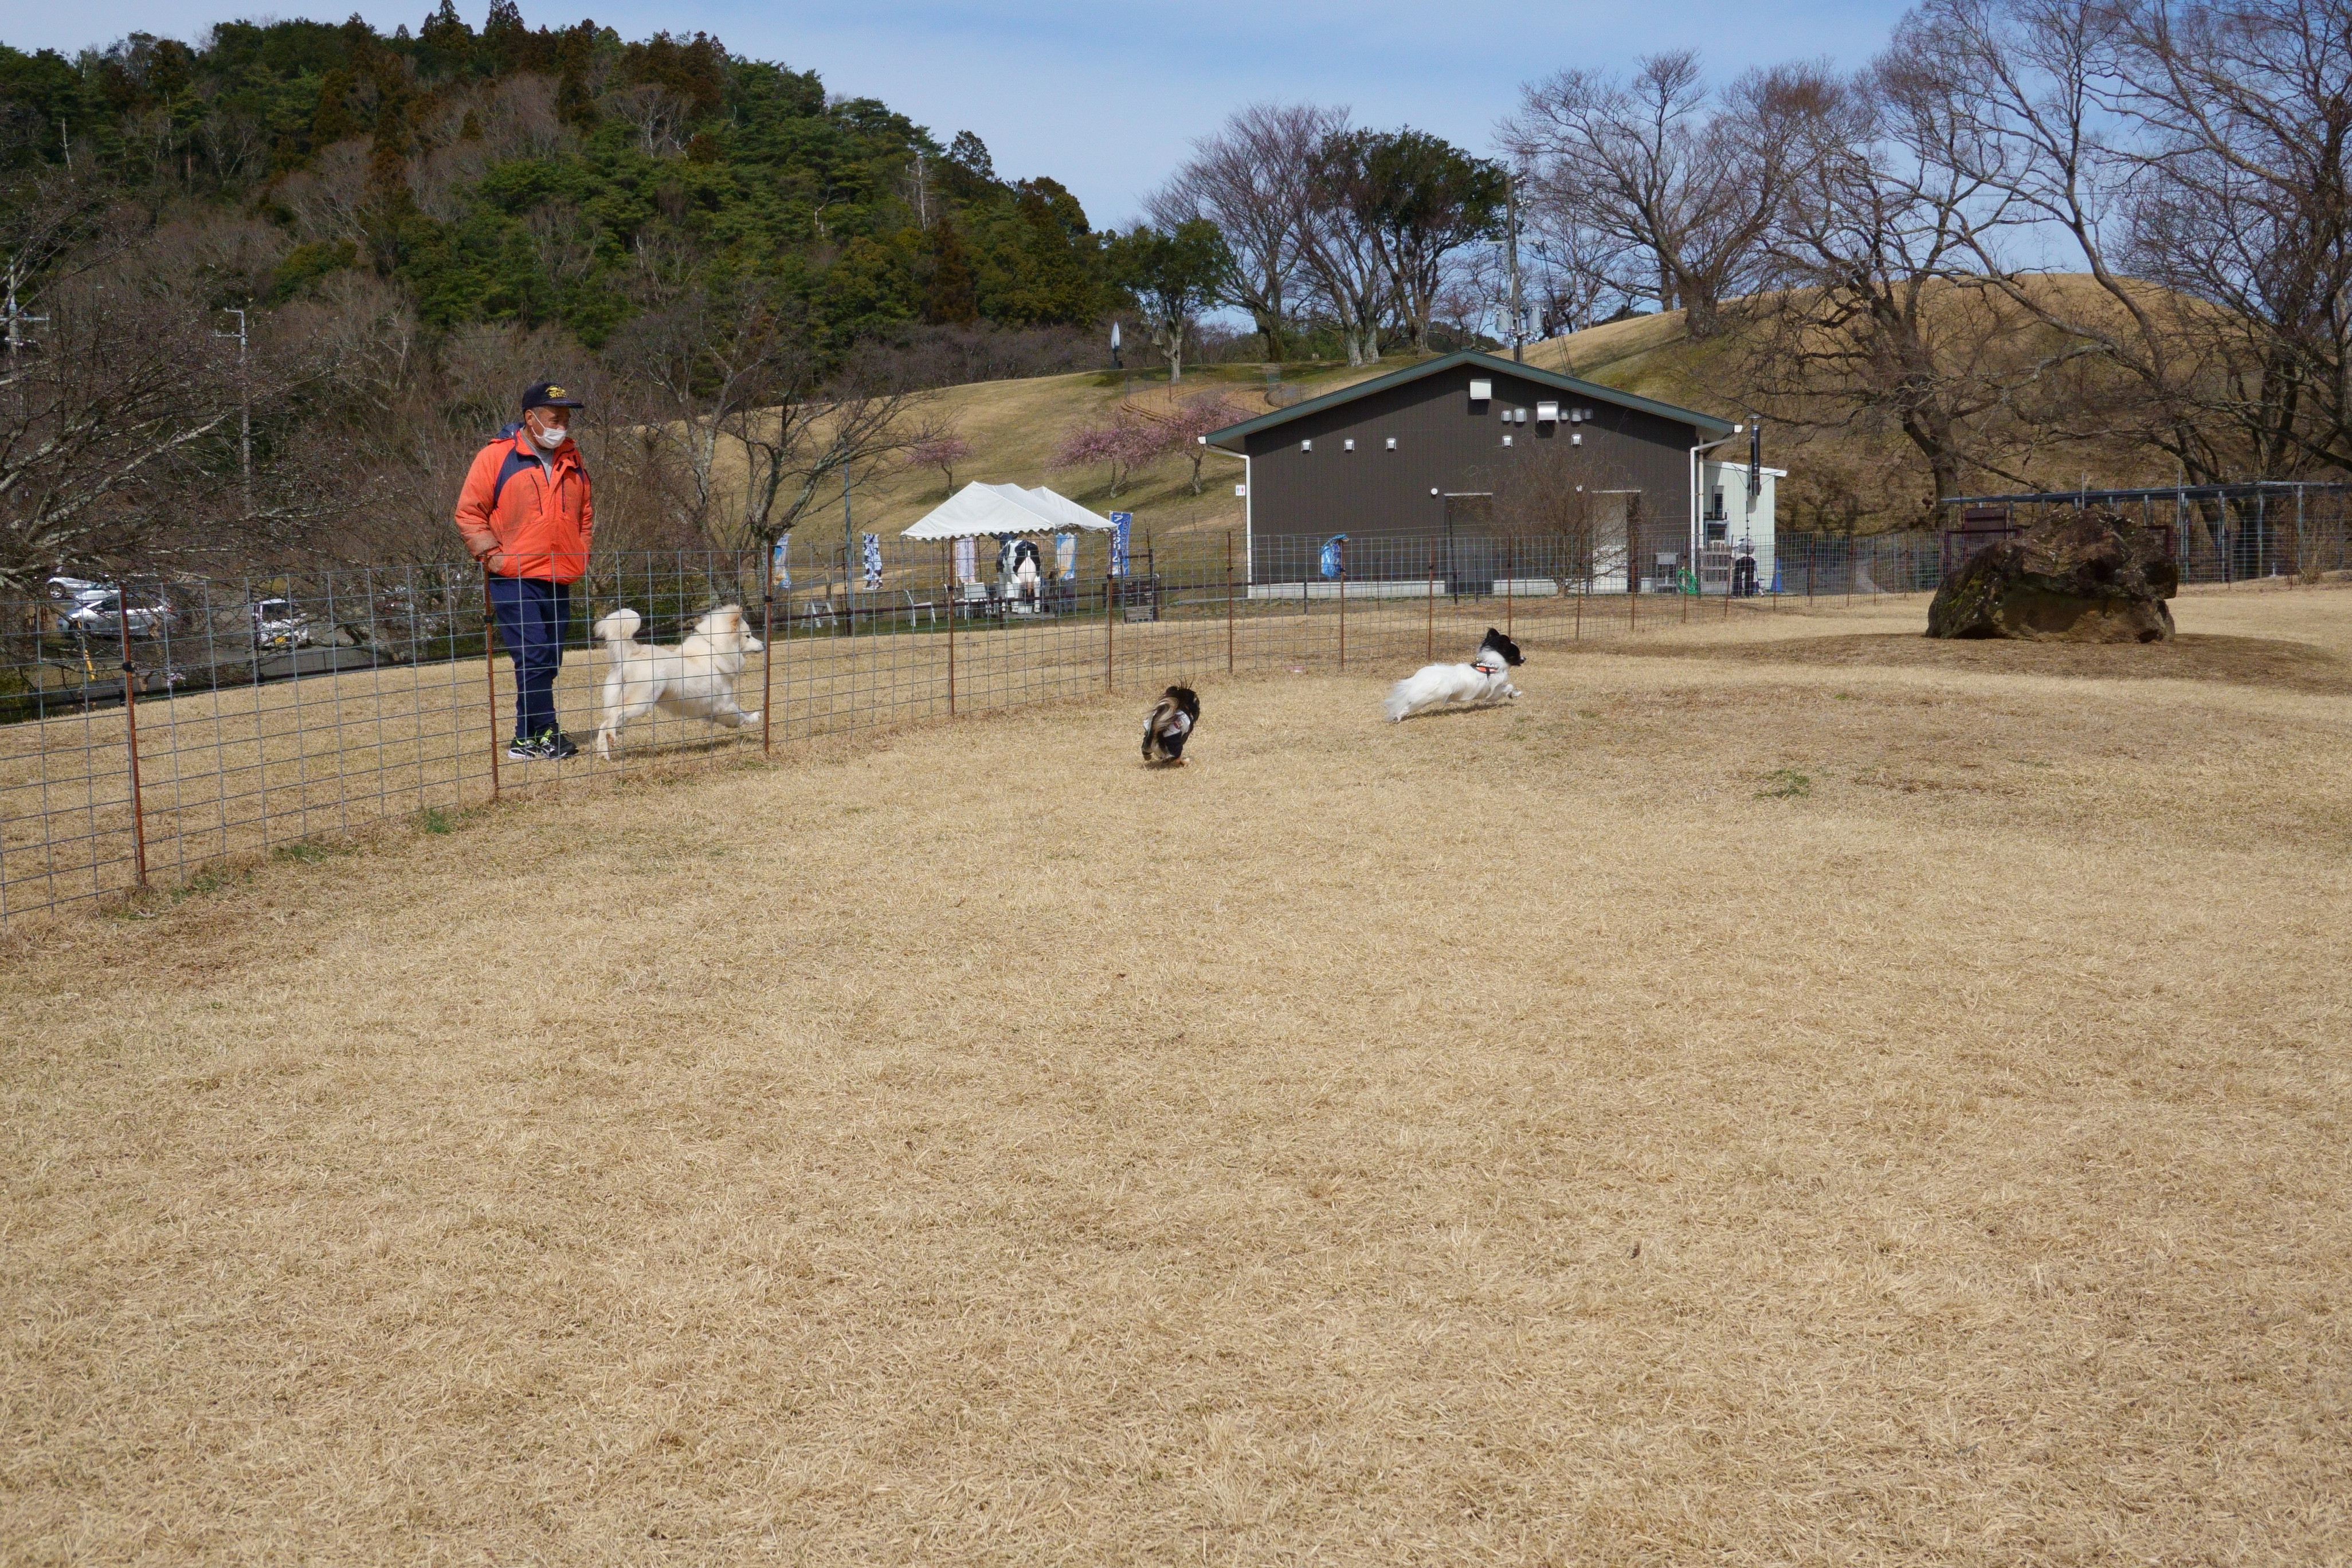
x=525, y=515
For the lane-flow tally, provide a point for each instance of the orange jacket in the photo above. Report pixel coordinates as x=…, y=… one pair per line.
x=539, y=523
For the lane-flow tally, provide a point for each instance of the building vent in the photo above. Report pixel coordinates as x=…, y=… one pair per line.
x=1547, y=412
x=1481, y=390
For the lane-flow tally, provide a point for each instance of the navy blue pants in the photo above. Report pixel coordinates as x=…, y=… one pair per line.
x=532, y=614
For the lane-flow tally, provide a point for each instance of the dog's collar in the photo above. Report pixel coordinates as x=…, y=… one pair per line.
x=1483, y=667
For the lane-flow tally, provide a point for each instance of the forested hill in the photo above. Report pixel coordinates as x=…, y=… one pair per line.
x=557, y=175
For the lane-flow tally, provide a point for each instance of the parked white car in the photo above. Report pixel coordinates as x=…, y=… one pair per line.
x=277, y=624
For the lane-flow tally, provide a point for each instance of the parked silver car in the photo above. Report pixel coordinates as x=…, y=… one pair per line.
x=102, y=615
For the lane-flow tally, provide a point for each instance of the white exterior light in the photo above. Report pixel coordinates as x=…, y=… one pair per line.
x=1481, y=390
x=1548, y=413
x=1391, y=443
x=1507, y=440
x=1576, y=439
x=1576, y=417
x=1347, y=445
x=1307, y=446
x=1520, y=415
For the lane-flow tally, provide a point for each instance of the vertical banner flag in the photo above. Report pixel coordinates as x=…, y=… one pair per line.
x=779, y=573
x=967, y=560
x=873, y=552
x=1066, y=555
x=1755, y=459
x=1335, y=554
x=1120, y=523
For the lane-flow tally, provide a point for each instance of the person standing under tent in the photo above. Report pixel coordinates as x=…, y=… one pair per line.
x=525, y=515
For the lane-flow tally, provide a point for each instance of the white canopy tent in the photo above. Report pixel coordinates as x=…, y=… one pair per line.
x=1001, y=512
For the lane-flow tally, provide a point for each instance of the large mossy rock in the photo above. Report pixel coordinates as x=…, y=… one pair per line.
x=2084, y=576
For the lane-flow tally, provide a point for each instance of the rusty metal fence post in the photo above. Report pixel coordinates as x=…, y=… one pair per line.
x=490, y=674
x=1343, y=606
x=767, y=650
x=130, y=734
x=953, y=593
x=1429, y=654
x=1110, y=617
x=1229, y=601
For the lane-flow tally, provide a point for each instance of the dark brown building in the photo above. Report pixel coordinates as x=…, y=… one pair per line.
x=1407, y=466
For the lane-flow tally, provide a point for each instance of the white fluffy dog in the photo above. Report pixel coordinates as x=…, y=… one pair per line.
x=1486, y=679
x=698, y=677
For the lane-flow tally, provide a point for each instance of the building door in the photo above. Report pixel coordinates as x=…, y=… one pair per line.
x=1614, y=538
x=1469, y=542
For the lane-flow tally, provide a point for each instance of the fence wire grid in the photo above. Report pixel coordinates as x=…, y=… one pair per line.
x=153, y=729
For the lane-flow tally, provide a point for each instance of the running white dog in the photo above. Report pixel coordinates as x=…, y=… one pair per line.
x=1486, y=679
x=698, y=677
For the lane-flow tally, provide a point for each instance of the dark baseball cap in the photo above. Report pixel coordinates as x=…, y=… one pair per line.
x=548, y=394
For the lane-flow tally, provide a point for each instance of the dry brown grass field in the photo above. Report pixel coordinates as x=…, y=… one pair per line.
x=1772, y=1095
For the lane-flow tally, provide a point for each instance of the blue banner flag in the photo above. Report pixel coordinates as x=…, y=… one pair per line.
x=780, y=573
x=1335, y=554
x=873, y=561
x=1119, y=522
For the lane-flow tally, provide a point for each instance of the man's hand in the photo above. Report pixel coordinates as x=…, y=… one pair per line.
x=494, y=560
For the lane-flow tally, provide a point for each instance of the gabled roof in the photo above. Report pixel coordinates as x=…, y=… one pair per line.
x=1232, y=435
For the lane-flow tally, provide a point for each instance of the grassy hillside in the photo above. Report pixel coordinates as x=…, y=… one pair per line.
x=1845, y=475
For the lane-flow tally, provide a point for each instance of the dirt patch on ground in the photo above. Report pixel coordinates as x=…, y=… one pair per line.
x=2238, y=660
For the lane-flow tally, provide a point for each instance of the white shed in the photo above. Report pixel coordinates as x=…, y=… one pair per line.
x=1732, y=522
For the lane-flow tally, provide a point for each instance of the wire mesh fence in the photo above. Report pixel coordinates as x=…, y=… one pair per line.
x=2259, y=531
x=154, y=728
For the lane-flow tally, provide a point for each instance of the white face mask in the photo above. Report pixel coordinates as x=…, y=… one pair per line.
x=551, y=438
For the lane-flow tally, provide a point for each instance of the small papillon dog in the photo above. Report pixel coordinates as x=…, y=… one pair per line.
x=1485, y=681
x=1169, y=724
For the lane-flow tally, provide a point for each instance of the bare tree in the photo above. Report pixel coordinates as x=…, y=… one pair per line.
x=1253, y=180
x=1340, y=244
x=2034, y=92
x=813, y=431
x=1880, y=316
x=2239, y=201
x=700, y=363
x=1571, y=503
x=1574, y=271
x=105, y=422
x=1686, y=181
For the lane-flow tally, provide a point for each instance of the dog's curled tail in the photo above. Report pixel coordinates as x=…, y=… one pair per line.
x=619, y=626
x=1398, y=703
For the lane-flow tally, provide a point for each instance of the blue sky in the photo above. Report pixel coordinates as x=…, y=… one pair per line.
x=1106, y=96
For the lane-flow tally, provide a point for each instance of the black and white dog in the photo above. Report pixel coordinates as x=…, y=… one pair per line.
x=1485, y=681
x=1169, y=724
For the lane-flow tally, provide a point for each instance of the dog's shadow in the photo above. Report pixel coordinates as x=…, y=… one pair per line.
x=1458, y=713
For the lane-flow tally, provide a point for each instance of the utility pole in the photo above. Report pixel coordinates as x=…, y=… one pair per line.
x=1518, y=311
x=243, y=412
x=922, y=193
x=18, y=320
